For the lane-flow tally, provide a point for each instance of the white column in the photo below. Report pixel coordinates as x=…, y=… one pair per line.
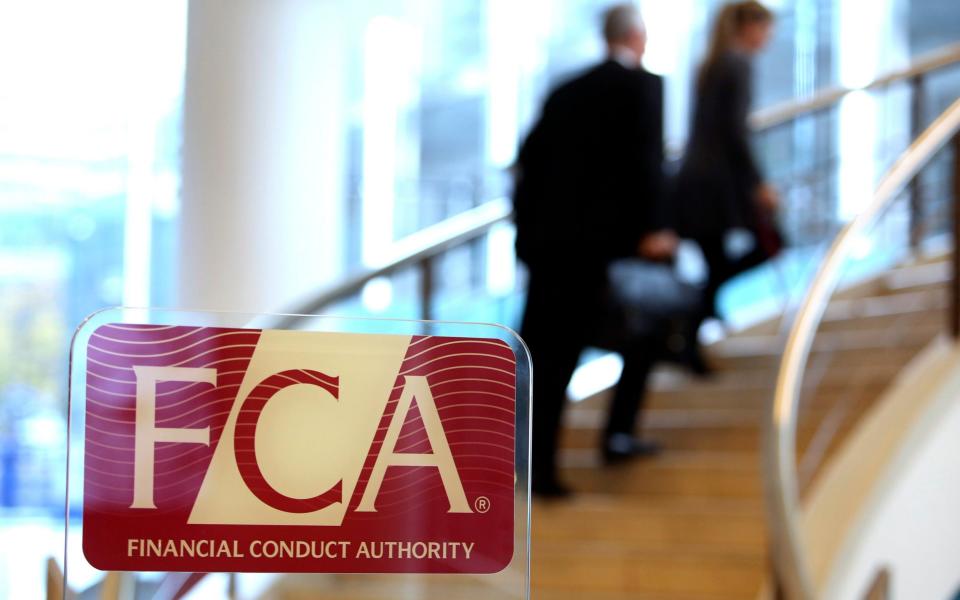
x=263, y=154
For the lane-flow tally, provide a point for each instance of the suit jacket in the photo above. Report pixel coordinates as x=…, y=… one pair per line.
x=590, y=176
x=718, y=177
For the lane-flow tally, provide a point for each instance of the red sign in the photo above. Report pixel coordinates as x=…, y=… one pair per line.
x=212, y=449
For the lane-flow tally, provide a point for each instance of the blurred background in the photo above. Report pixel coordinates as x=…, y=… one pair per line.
x=252, y=155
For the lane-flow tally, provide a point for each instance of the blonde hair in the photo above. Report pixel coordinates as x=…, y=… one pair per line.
x=731, y=19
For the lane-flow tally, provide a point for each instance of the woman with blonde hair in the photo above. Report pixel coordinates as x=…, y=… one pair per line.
x=720, y=188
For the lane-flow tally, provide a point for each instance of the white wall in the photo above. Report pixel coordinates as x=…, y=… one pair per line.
x=891, y=498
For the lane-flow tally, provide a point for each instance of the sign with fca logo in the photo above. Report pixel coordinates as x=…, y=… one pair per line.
x=214, y=449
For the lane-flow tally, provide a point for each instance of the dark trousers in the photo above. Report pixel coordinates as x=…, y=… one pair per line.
x=628, y=396
x=722, y=269
x=561, y=318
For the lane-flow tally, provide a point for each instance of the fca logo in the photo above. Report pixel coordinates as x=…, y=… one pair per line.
x=245, y=417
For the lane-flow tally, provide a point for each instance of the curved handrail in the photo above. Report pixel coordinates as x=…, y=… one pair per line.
x=770, y=118
x=781, y=488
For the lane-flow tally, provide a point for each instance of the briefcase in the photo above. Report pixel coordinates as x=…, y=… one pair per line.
x=643, y=298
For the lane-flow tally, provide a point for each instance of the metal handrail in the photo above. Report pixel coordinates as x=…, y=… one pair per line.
x=781, y=488
x=775, y=116
x=417, y=249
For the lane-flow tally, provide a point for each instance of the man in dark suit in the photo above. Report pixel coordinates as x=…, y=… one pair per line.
x=588, y=191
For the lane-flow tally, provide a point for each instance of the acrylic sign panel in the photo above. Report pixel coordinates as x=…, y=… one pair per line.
x=224, y=449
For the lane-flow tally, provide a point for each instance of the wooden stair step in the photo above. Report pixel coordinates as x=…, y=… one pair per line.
x=309, y=586
x=733, y=400
x=843, y=345
x=904, y=302
x=737, y=528
x=670, y=474
x=905, y=278
x=809, y=413
x=717, y=577
x=736, y=439
x=702, y=439
x=559, y=594
x=751, y=378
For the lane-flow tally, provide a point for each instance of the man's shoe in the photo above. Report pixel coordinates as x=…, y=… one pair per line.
x=687, y=353
x=621, y=447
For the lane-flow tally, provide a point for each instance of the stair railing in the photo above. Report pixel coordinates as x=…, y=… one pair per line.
x=421, y=250
x=418, y=250
x=780, y=429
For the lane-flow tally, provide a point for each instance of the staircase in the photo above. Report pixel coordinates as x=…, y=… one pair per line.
x=689, y=524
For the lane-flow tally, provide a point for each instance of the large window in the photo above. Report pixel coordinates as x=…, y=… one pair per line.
x=89, y=143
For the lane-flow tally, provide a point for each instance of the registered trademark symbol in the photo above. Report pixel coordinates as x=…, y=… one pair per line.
x=482, y=504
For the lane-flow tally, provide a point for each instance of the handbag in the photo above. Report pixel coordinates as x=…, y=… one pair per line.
x=769, y=237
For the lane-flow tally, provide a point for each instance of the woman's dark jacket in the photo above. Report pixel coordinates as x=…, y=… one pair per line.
x=715, y=187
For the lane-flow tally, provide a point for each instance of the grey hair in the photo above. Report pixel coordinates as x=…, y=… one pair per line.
x=621, y=20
